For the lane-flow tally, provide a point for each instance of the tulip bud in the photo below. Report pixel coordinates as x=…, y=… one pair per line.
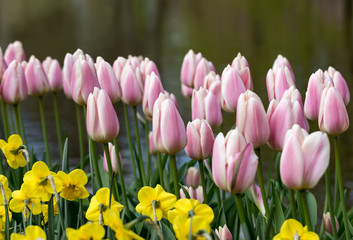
x=277, y=82
x=282, y=62
x=153, y=150
x=190, y=191
x=340, y=84
x=199, y=194
x=167, y=139
x=172, y=97
x=186, y=91
x=256, y=194
x=37, y=80
x=153, y=87
x=131, y=85
x=328, y=224
x=333, y=116
x=3, y=65
x=192, y=177
x=53, y=70
x=113, y=160
x=251, y=119
x=69, y=62
x=202, y=69
x=316, y=85
x=102, y=121
x=213, y=83
x=147, y=67
x=118, y=66
x=241, y=65
x=188, y=68
x=14, y=51
x=223, y=233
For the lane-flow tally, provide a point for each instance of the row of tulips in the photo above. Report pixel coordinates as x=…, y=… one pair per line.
x=227, y=164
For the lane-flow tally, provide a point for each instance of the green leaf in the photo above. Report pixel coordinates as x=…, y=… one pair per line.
x=64, y=165
x=167, y=232
x=279, y=216
x=312, y=207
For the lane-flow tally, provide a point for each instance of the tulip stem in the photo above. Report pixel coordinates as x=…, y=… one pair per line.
x=44, y=128
x=140, y=160
x=261, y=181
x=17, y=120
x=147, y=149
x=57, y=121
x=329, y=201
x=130, y=145
x=80, y=135
x=110, y=169
x=203, y=182
x=21, y=126
x=5, y=120
x=293, y=203
x=161, y=167
x=175, y=175
x=93, y=159
x=302, y=195
x=340, y=188
x=241, y=212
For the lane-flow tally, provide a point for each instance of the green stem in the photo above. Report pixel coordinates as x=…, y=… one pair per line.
x=241, y=212
x=302, y=194
x=21, y=125
x=94, y=160
x=329, y=201
x=5, y=119
x=57, y=121
x=44, y=128
x=147, y=131
x=261, y=181
x=80, y=135
x=203, y=182
x=340, y=187
x=293, y=204
x=160, y=169
x=175, y=175
x=110, y=169
x=140, y=161
x=17, y=120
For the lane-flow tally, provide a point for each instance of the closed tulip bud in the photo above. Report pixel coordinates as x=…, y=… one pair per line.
x=131, y=85
x=113, y=160
x=167, y=139
x=277, y=82
x=152, y=147
x=232, y=87
x=200, y=139
x=102, y=121
x=135, y=61
x=107, y=80
x=192, y=177
x=186, y=91
x=188, y=68
x=13, y=84
x=282, y=62
x=333, y=116
x=241, y=65
x=213, y=83
x=78, y=54
x=118, y=66
x=202, y=69
x=223, y=233
x=256, y=194
x=204, y=105
x=251, y=119
x=189, y=190
x=53, y=70
x=199, y=194
x=69, y=62
x=304, y=159
x=14, y=51
x=37, y=80
x=328, y=224
x=340, y=84
x=153, y=87
x=148, y=67
x=172, y=97
x=234, y=162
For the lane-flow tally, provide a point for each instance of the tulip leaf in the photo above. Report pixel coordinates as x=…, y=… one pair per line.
x=167, y=233
x=221, y=218
x=279, y=216
x=312, y=207
x=182, y=172
x=64, y=165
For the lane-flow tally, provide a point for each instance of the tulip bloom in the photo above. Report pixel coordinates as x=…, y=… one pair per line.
x=188, y=68
x=53, y=70
x=304, y=158
x=228, y=153
x=213, y=84
x=186, y=91
x=37, y=80
x=282, y=62
x=223, y=233
x=148, y=67
x=3, y=64
x=192, y=177
x=102, y=121
x=328, y=224
x=69, y=62
x=113, y=160
x=241, y=65
x=118, y=66
x=193, y=193
x=202, y=69
x=278, y=81
x=14, y=51
x=153, y=87
x=251, y=119
x=131, y=85
x=340, y=84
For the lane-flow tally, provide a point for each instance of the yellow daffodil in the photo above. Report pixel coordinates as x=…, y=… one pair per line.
x=8, y=191
x=32, y=233
x=3, y=216
x=112, y=219
x=22, y=196
x=292, y=229
x=181, y=227
x=38, y=182
x=45, y=208
x=89, y=231
x=73, y=185
x=13, y=151
x=183, y=207
x=101, y=201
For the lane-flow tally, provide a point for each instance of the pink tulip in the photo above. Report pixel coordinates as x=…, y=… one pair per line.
x=340, y=84
x=14, y=51
x=53, y=70
x=328, y=224
x=172, y=97
x=200, y=139
x=241, y=65
x=213, y=83
x=282, y=62
x=333, y=116
x=256, y=194
x=204, y=105
x=188, y=68
x=118, y=66
x=13, y=84
x=304, y=159
x=102, y=122
x=152, y=147
x=192, y=177
x=232, y=87
x=3, y=64
x=37, y=80
x=69, y=62
x=251, y=119
x=113, y=160
x=223, y=233
x=233, y=157
x=131, y=85
x=202, y=69
x=153, y=87
x=278, y=81
x=199, y=194
x=186, y=91
x=167, y=139
x=147, y=67
x=193, y=193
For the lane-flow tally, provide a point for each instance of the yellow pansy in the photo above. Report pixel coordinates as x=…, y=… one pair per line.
x=292, y=229
x=89, y=231
x=73, y=185
x=8, y=191
x=38, y=182
x=183, y=207
x=164, y=202
x=32, y=233
x=19, y=197
x=101, y=200
x=13, y=151
x=181, y=227
x=45, y=208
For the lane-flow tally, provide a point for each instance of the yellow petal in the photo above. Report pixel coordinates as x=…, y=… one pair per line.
x=35, y=232
x=309, y=236
x=16, y=140
x=17, y=236
x=40, y=169
x=94, y=230
x=289, y=227
x=146, y=195
x=17, y=205
x=78, y=176
x=205, y=212
x=102, y=196
x=2, y=144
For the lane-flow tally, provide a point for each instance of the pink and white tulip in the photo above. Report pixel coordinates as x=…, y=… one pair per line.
x=282, y=62
x=241, y=65
x=340, y=84
x=14, y=51
x=131, y=85
x=277, y=82
x=192, y=177
x=202, y=69
x=213, y=83
x=153, y=87
x=37, y=80
x=257, y=196
x=68, y=65
x=186, y=91
x=328, y=224
x=223, y=233
x=188, y=68
x=3, y=64
x=54, y=73
x=152, y=147
x=118, y=66
x=113, y=160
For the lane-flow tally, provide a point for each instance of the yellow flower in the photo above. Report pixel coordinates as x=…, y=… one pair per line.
x=112, y=219
x=291, y=228
x=38, y=182
x=13, y=152
x=73, y=185
x=3, y=216
x=89, y=231
x=19, y=197
x=8, y=191
x=101, y=199
x=32, y=233
x=184, y=206
x=164, y=202
x=45, y=208
x=181, y=227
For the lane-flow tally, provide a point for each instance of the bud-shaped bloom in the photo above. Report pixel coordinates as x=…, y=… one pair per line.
x=241, y=65
x=223, y=233
x=204, y=105
x=147, y=67
x=152, y=147
x=304, y=158
x=37, y=80
x=202, y=69
x=333, y=116
x=107, y=80
x=118, y=66
x=69, y=62
x=213, y=83
x=232, y=87
x=186, y=91
x=282, y=115
x=153, y=87
x=102, y=121
x=282, y=62
x=188, y=68
x=193, y=193
x=257, y=196
x=340, y=84
x=13, y=84
x=172, y=97
x=199, y=194
x=167, y=139
x=3, y=64
x=252, y=120
x=131, y=85
x=277, y=82
x=113, y=160
x=192, y=177
x=53, y=70
x=14, y=51
x=328, y=224
x=200, y=139
x=234, y=162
